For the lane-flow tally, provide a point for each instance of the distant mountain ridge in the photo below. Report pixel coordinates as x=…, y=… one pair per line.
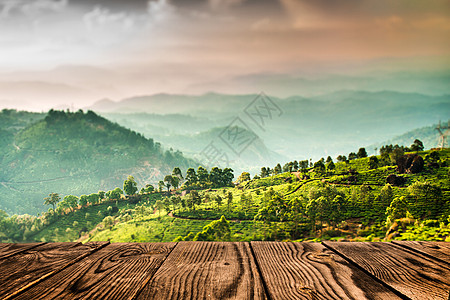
x=428, y=135
x=309, y=127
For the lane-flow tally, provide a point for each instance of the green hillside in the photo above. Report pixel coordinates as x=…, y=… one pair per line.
x=345, y=200
x=75, y=153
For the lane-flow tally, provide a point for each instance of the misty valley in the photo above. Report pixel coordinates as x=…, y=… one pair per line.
x=80, y=176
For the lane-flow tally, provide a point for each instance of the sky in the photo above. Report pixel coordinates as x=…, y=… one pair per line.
x=61, y=52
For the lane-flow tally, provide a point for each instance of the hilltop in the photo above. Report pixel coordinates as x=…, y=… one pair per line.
x=73, y=153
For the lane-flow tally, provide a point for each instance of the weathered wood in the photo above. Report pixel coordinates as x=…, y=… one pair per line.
x=311, y=271
x=414, y=275
x=438, y=250
x=207, y=270
x=34, y=265
x=117, y=271
x=9, y=249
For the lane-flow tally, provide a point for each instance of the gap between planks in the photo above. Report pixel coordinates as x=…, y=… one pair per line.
x=423, y=251
x=414, y=275
x=398, y=293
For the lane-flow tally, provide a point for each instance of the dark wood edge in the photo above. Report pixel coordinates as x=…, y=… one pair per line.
x=418, y=251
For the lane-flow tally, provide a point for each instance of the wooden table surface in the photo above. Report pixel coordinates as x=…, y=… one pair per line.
x=219, y=270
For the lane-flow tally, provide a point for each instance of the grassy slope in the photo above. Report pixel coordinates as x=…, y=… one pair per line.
x=152, y=226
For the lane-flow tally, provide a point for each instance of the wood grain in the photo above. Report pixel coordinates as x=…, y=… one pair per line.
x=438, y=250
x=9, y=249
x=414, y=275
x=34, y=265
x=311, y=271
x=207, y=270
x=117, y=271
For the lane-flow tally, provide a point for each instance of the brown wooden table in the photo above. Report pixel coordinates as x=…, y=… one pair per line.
x=217, y=270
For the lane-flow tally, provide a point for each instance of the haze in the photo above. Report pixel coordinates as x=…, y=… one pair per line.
x=69, y=53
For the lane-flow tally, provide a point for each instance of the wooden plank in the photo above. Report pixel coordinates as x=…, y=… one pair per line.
x=4, y=245
x=10, y=249
x=311, y=271
x=437, y=250
x=34, y=265
x=117, y=271
x=207, y=270
x=414, y=275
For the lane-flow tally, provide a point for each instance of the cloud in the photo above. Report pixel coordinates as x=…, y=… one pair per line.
x=224, y=4
x=101, y=17
x=31, y=8
x=160, y=10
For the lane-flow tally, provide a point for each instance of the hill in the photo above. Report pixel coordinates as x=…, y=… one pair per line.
x=427, y=134
x=74, y=153
x=341, y=201
x=350, y=202
x=307, y=127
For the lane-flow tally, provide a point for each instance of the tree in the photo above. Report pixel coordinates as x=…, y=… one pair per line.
x=373, y=162
x=417, y=145
x=191, y=177
x=319, y=166
x=147, y=189
x=295, y=166
x=52, y=199
x=295, y=212
x=94, y=198
x=218, y=230
x=427, y=198
x=108, y=222
x=176, y=201
x=130, y=186
x=115, y=194
x=161, y=185
x=311, y=212
x=397, y=209
x=168, y=181
x=303, y=165
x=330, y=166
x=229, y=199
x=385, y=196
x=219, y=201
x=203, y=176
x=83, y=200
x=194, y=199
x=215, y=176
x=227, y=177
x=245, y=176
x=352, y=156
x=101, y=195
x=175, y=182
x=177, y=172
x=396, y=154
x=159, y=206
x=361, y=153
x=336, y=212
x=72, y=201
x=277, y=169
x=341, y=158
x=329, y=160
